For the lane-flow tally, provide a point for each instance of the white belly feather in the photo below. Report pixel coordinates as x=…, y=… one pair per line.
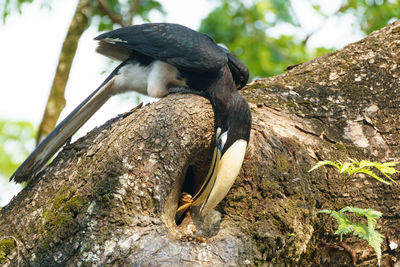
x=152, y=80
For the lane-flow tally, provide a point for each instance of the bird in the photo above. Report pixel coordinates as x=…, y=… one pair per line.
x=232, y=138
x=155, y=59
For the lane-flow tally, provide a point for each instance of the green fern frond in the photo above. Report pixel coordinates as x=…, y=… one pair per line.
x=366, y=232
x=324, y=163
x=363, y=166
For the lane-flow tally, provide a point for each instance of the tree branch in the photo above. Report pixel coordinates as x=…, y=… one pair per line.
x=133, y=10
x=56, y=101
x=116, y=18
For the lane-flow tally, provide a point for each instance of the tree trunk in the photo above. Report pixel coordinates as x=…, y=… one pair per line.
x=56, y=101
x=110, y=198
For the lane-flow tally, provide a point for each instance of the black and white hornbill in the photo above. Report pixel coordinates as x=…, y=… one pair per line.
x=155, y=58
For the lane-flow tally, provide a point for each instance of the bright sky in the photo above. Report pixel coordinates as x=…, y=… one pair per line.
x=31, y=44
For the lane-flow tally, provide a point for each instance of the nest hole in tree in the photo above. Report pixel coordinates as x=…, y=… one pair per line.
x=190, y=181
x=194, y=178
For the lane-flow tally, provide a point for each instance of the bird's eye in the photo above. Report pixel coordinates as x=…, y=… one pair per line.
x=222, y=140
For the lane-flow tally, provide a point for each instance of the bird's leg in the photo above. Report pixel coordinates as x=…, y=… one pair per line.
x=185, y=90
x=185, y=202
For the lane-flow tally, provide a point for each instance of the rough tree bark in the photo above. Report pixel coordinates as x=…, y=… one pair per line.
x=110, y=198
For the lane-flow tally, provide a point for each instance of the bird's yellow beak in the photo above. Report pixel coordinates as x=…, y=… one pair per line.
x=221, y=176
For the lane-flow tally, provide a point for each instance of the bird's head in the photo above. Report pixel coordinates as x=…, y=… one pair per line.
x=232, y=137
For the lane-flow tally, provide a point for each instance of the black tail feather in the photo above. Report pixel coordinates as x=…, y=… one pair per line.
x=37, y=160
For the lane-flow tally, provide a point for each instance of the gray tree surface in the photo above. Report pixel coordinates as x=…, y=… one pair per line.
x=110, y=197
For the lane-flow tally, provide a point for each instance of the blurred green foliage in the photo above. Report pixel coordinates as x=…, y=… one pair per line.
x=16, y=142
x=8, y=6
x=243, y=27
x=124, y=9
x=372, y=14
x=121, y=9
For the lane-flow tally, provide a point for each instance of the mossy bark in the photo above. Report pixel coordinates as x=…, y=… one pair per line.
x=109, y=198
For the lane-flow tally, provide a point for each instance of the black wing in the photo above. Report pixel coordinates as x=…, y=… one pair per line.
x=239, y=71
x=172, y=43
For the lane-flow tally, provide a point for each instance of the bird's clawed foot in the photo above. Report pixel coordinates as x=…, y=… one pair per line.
x=194, y=227
x=185, y=203
x=184, y=220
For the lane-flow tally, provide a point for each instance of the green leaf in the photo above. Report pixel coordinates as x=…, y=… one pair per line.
x=366, y=163
x=363, y=167
x=346, y=167
x=325, y=211
x=344, y=223
x=324, y=163
x=390, y=164
x=366, y=232
x=16, y=142
x=372, y=174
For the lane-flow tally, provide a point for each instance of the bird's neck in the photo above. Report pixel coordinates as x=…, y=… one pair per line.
x=220, y=93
